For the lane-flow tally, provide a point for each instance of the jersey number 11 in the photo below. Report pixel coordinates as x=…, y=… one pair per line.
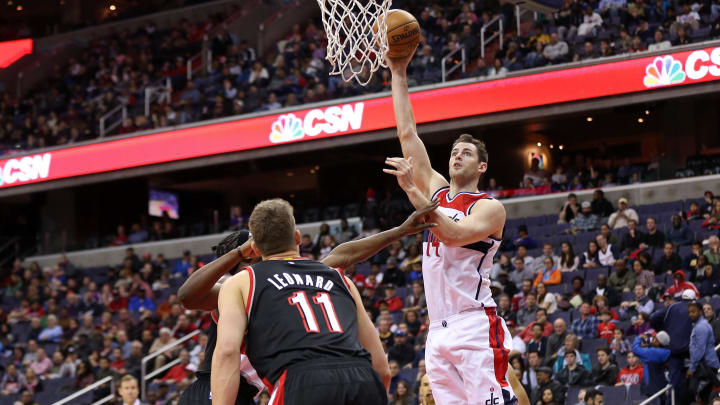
x=300, y=300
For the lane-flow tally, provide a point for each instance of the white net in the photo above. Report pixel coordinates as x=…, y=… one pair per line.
x=357, y=36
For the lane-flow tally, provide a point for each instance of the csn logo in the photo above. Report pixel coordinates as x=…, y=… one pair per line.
x=25, y=169
x=666, y=70
x=331, y=120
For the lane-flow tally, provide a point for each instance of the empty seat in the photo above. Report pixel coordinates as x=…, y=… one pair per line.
x=614, y=394
x=409, y=374
x=593, y=273
x=568, y=276
x=559, y=314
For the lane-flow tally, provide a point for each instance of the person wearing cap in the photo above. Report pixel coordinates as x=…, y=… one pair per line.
x=586, y=220
x=545, y=381
x=704, y=363
x=675, y=321
x=401, y=351
x=394, y=303
x=652, y=349
x=621, y=217
x=600, y=205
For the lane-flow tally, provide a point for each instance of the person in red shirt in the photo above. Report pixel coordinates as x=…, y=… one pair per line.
x=633, y=373
x=357, y=278
x=178, y=372
x=540, y=318
x=680, y=285
x=606, y=328
x=394, y=303
x=118, y=363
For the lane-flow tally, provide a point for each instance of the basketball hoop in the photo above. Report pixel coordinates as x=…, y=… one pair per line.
x=357, y=37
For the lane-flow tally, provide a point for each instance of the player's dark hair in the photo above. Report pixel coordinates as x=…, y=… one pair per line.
x=229, y=243
x=479, y=145
x=273, y=226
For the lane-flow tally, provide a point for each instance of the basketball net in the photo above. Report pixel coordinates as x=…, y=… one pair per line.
x=355, y=50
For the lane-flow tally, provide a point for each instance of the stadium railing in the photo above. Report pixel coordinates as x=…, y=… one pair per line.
x=449, y=57
x=90, y=388
x=657, y=395
x=497, y=34
x=144, y=378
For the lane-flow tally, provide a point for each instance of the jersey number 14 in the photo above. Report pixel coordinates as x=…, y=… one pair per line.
x=300, y=300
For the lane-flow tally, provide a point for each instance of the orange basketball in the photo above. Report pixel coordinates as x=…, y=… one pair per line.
x=403, y=33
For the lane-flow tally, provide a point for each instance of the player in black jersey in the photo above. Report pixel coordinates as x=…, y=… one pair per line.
x=197, y=293
x=200, y=292
x=308, y=335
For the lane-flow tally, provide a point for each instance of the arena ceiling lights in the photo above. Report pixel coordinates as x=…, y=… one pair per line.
x=362, y=117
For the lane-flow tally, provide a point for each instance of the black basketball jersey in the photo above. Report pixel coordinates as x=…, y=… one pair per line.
x=211, y=333
x=299, y=310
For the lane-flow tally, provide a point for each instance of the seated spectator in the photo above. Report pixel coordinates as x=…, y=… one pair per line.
x=609, y=236
x=524, y=239
x=569, y=210
x=604, y=373
x=633, y=373
x=527, y=314
x=621, y=217
x=520, y=272
x=637, y=45
x=394, y=303
x=606, y=255
x=712, y=253
x=600, y=205
x=694, y=213
x=586, y=325
x=519, y=299
x=539, y=262
x=415, y=301
x=120, y=237
x=529, y=378
x=640, y=303
x=556, y=340
x=618, y=345
x=393, y=274
x=586, y=221
x=688, y=19
x=518, y=344
x=546, y=300
x=137, y=234
x=12, y=381
x=522, y=254
x=401, y=351
x=631, y=239
x=556, y=50
x=638, y=324
x=572, y=343
x=559, y=179
x=680, y=285
x=591, y=20
x=600, y=303
x=540, y=319
x=679, y=234
x=575, y=297
x=178, y=372
x=504, y=309
x=568, y=260
x=574, y=374
x=622, y=279
x=653, y=237
x=713, y=221
x=660, y=43
x=182, y=267
x=589, y=258
x=669, y=262
x=549, y=275
x=42, y=364
x=606, y=328
x=682, y=37
x=32, y=382
x=710, y=282
x=504, y=264
x=545, y=382
x=497, y=70
x=537, y=341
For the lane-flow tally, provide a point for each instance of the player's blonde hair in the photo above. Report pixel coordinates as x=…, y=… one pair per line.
x=272, y=225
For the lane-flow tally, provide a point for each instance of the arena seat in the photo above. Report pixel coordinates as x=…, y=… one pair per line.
x=613, y=394
x=559, y=314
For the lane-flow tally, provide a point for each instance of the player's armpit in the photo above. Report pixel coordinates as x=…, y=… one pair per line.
x=369, y=339
x=232, y=323
x=486, y=219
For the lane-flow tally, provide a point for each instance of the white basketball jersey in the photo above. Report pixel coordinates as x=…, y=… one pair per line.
x=457, y=278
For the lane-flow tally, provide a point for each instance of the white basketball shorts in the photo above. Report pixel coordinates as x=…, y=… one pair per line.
x=466, y=357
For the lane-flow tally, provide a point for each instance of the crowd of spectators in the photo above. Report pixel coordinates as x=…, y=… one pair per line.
x=115, y=70
x=613, y=315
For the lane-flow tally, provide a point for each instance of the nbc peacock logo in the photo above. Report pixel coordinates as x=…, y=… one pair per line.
x=286, y=128
x=663, y=71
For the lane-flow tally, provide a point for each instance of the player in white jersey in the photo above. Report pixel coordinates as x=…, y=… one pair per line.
x=467, y=350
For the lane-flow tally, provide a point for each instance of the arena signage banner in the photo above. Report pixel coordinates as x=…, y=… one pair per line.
x=360, y=118
x=11, y=51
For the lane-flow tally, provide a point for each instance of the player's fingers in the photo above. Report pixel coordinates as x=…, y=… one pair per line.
x=393, y=164
x=431, y=207
x=427, y=225
x=393, y=172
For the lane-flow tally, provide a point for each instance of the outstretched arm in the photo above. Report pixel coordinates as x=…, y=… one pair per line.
x=200, y=291
x=517, y=387
x=486, y=218
x=369, y=339
x=225, y=372
x=428, y=180
x=356, y=251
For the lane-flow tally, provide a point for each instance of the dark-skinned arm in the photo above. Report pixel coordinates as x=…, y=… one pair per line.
x=200, y=291
x=357, y=251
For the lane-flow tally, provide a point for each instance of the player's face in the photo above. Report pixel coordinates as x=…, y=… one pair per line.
x=464, y=162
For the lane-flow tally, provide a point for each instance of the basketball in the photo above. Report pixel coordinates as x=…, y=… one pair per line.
x=403, y=33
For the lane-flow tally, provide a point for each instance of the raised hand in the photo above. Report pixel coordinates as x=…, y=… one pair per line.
x=403, y=172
